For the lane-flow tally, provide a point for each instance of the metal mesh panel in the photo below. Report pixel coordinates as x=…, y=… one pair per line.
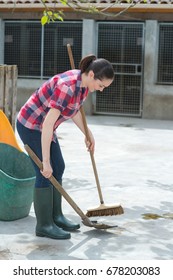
x=41, y=51
x=122, y=45
x=23, y=47
x=165, y=55
x=122, y=97
x=56, y=37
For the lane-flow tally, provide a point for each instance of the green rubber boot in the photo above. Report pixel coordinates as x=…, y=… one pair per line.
x=43, y=205
x=58, y=216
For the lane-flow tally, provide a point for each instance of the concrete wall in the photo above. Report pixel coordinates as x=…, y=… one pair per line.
x=88, y=47
x=25, y=87
x=157, y=99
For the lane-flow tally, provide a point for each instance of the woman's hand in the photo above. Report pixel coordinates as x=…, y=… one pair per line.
x=47, y=170
x=90, y=143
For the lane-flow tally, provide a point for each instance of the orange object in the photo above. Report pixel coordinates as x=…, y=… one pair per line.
x=7, y=134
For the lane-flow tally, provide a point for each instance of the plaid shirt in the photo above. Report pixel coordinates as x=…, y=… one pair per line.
x=62, y=92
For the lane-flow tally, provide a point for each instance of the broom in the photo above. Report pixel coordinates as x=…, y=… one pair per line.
x=102, y=210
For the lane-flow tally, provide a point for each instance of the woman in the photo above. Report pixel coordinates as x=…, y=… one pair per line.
x=56, y=101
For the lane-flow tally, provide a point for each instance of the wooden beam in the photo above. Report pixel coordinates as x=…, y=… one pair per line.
x=146, y=8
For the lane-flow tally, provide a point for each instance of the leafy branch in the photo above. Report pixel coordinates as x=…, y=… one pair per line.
x=82, y=6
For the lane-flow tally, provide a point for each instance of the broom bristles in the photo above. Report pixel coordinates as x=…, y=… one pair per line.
x=104, y=210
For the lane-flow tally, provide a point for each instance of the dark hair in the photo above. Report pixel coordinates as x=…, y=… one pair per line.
x=101, y=67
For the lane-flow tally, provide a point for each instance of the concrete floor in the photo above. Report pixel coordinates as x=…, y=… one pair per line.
x=134, y=158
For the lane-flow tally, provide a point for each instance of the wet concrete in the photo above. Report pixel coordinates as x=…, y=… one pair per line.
x=134, y=159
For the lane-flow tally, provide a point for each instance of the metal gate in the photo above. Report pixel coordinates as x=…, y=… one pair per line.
x=123, y=45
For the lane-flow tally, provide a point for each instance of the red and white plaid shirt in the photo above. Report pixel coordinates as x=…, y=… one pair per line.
x=63, y=92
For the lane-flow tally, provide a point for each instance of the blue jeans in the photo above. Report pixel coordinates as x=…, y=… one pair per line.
x=33, y=139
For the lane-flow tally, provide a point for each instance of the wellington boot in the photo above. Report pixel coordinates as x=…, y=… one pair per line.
x=43, y=205
x=58, y=216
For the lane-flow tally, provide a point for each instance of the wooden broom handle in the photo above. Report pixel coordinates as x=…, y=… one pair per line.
x=87, y=132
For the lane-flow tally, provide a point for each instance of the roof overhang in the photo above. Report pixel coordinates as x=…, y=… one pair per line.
x=165, y=7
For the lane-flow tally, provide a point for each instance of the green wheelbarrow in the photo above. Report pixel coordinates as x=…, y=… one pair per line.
x=17, y=178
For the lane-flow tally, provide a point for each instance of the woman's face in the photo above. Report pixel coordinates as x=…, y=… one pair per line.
x=96, y=84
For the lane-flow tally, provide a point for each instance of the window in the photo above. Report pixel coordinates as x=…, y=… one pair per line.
x=40, y=51
x=165, y=54
x=23, y=47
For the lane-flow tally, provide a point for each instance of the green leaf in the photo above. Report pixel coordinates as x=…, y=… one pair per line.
x=49, y=13
x=44, y=12
x=44, y=20
x=64, y=2
x=61, y=13
x=57, y=16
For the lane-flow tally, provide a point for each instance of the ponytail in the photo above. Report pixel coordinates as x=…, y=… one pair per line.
x=85, y=63
x=101, y=67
